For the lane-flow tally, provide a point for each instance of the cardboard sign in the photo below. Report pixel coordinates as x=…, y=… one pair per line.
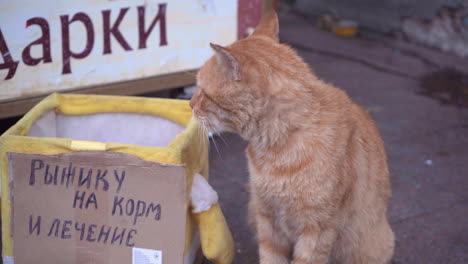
x=85, y=43
x=96, y=207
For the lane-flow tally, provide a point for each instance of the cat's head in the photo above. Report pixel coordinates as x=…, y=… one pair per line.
x=230, y=84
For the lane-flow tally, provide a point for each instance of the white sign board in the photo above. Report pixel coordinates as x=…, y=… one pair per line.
x=57, y=45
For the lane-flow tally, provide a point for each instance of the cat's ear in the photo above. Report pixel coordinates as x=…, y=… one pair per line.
x=268, y=26
x=227, y=62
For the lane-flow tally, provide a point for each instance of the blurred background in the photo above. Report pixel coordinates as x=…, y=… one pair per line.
x=406, y=62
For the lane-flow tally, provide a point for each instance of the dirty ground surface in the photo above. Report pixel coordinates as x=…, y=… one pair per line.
x=426, y=142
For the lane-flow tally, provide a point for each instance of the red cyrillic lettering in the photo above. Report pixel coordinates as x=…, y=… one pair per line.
x=67, y=54
x=143, y=35
x=8, y=62
x=109, y=30
x=44, y=40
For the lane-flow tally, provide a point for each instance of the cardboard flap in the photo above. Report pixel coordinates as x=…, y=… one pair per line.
x=96, y=207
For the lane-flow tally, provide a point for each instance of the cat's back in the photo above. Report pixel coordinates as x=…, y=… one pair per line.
x=365, y=150
x=338, y=105
x=356, y=133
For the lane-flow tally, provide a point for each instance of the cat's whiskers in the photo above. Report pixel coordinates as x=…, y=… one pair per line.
x=202, y=132
x=222, y=138
x=210, y=127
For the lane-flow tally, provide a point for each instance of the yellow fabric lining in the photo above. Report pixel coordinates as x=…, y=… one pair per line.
x=189, y=148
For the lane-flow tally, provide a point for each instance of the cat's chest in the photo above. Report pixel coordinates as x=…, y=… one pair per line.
x=260, y=178
x=282, y=201
x=283, y=192
x=277, y=190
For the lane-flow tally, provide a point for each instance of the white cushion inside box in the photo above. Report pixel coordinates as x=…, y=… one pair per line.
x=128, y=128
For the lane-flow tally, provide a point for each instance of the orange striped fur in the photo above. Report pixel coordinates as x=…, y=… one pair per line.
x=319, y=180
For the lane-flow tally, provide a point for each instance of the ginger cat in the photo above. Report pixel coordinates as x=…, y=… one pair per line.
x=318, y=170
